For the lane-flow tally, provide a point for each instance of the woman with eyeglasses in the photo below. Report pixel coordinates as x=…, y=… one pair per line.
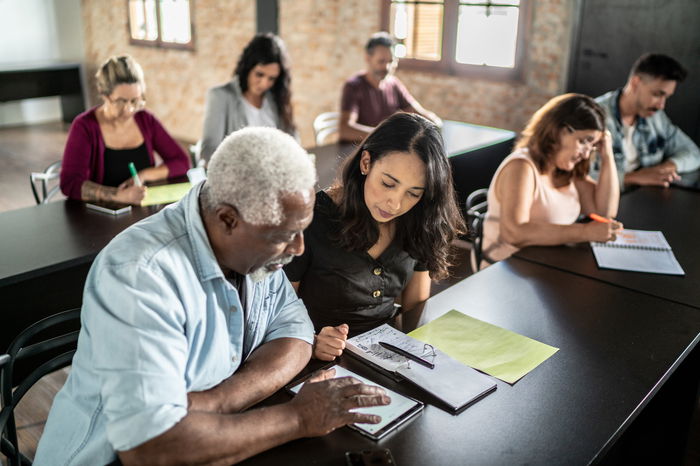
x=104, y=140
x=539, y=191
x=379, y=234
x=258, y=95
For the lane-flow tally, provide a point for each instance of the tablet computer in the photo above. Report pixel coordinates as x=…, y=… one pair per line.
x=398, y=412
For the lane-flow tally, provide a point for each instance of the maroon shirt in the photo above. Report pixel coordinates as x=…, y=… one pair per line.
x=373, y=105
x=83, y=157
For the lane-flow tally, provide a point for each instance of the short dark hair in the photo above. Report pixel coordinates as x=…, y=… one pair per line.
x=263, y=49
x=567, y=111
x=426, y=231
x=658, y=65
x=379, y=39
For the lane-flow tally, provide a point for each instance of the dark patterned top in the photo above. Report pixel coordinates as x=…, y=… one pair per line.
x=339, y=286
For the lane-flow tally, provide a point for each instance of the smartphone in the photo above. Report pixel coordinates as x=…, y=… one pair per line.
x=372, y=457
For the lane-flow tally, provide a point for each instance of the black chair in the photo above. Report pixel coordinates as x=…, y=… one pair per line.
x=42, y=348
x=476, y=206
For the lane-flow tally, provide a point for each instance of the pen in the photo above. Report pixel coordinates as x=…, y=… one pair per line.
x=405, y=353
x=134, y=175
x=599, y=218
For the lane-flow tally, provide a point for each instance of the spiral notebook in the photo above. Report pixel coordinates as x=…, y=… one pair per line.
x=638, y=251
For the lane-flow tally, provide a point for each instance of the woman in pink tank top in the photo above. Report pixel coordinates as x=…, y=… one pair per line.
x=540, y=189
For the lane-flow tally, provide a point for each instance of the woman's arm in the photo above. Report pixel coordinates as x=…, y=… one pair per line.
x=515, y=187
x=215, y=117
x=417, y=290
x=176, y=162
x=127, y=194
x=601, y=197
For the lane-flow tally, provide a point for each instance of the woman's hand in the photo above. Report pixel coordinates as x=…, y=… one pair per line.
x=602, y=232
x=330, y=342
x=604, y=147
x=130, y=193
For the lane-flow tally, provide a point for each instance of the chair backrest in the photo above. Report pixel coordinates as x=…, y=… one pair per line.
x=476, y=206
x=325, y=125
x=196, y=154
x=42, y=348
x=47, y=180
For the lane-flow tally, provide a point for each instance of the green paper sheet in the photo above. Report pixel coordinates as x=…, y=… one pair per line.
x=498, y=352
x=165, y=194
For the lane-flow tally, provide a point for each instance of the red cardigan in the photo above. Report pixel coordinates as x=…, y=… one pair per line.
x=83, y=158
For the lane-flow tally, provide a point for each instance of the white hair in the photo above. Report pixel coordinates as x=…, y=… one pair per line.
x=253, y=168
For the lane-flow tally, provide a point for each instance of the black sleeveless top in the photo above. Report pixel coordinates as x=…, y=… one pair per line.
x=116, y=163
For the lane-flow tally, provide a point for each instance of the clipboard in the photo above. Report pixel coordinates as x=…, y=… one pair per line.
x=456, y=385
x=401, y=410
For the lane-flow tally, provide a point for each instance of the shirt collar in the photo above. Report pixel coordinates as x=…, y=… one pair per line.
x=204, y=258
x=640, y=122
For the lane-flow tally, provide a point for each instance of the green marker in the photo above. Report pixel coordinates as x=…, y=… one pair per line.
x=134, y=175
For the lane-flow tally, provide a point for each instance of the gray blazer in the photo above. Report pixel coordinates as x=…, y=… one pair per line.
x=224, y=114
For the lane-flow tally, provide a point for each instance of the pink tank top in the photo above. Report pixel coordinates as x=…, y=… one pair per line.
x=559, y=206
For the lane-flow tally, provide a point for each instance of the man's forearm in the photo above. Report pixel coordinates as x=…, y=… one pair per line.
x=211, y=438
x=269, y=368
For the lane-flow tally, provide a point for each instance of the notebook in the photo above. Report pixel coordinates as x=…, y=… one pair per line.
x=396, y=413
x=637, y=251
x=452, y=382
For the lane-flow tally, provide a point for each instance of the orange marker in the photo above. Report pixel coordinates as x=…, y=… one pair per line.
x=599, y=218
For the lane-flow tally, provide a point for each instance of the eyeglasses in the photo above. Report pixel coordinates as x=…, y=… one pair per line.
x=136, y=104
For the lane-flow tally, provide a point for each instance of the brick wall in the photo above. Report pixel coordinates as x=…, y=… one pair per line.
x=176, y=80
x=325, y=39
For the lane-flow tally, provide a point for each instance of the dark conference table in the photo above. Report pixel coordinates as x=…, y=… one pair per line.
x=617, y=350
x=474, y=151
x=46, y=252
x=673, y=211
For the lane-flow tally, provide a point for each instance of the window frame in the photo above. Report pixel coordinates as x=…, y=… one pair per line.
x=448, y=65
x=158, y=42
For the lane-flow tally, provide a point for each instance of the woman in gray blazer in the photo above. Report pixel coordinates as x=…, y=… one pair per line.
x=258, y=95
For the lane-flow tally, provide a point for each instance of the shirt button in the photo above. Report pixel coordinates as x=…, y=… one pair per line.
x=233, y=309
x=377, y=293
x=377, y=271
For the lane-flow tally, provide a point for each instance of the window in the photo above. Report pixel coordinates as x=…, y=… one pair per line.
x=476, y=38
x=161, y=23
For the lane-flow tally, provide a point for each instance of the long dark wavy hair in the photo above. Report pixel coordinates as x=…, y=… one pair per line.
x=263, y=49
x=426, y=231
x=542, y=133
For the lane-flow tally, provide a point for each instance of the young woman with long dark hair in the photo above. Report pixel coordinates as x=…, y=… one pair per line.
x=379, y=234
x=258, y=95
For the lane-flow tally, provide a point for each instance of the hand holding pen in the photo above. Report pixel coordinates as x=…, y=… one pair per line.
x=603, y=228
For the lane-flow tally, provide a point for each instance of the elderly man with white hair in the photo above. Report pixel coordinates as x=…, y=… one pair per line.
x=188, y=321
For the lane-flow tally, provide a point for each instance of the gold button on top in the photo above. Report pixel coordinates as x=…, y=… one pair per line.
x=376, y=293
x=377, y=271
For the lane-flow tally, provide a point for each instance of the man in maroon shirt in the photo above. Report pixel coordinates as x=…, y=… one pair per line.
x=372, y=95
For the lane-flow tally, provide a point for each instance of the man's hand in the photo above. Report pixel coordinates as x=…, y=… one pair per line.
x=330, y=342
x=658, y=175
x=325, y=403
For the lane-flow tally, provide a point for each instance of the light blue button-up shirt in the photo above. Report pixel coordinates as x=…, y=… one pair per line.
x=159, y=320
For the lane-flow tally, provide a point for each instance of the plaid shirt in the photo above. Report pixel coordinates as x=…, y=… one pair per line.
x=656, y=140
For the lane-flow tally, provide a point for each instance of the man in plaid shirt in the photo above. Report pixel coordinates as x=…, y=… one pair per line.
x=649, y=149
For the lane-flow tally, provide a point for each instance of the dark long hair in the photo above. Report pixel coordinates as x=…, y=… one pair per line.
x=542, y=133
x=426, y=231
x=264, y=49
